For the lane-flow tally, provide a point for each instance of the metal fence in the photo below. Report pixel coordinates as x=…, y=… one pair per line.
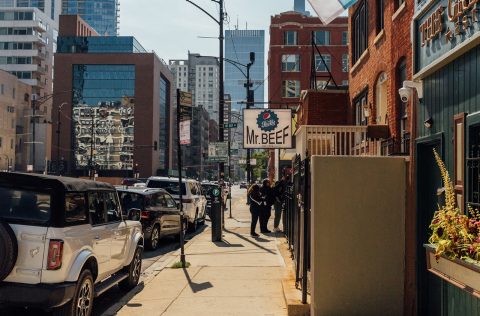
x=297, y=222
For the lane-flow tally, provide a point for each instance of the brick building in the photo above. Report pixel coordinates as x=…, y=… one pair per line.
x=290, y=54
x=380, y=60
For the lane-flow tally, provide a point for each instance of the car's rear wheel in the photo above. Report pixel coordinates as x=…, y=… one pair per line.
x=8, y=250
x=154, y=238
x=82, y=301
x=134, y=271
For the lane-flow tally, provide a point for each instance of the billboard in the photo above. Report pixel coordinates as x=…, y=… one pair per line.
x=267, y=128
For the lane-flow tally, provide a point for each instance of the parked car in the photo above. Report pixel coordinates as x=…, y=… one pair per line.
x=64, y=241
x=160, y=216
x=243, y=185
x=194, y=202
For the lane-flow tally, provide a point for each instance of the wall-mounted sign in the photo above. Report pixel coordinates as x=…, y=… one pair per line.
x=267, y=128
x=185, y=132
x=444, y=27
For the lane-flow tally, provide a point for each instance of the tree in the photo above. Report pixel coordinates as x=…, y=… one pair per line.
x=260, y=170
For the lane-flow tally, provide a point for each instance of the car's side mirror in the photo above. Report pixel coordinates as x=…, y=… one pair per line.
x=134, y=214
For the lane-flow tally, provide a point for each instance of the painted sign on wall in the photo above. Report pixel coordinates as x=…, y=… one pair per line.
x=267, y=128
x=444, y=26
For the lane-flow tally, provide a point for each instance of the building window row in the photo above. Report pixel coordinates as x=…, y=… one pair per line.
x=322, y=38
x=325, y=65
x=22, y=74
x=290, y=62
x=15, y=60
x=17, y=16
x=291, y=88
x=15, y=46
x=359, y=31
x=16, y=31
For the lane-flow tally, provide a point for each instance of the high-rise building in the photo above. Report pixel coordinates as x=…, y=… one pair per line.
x=119, y=106
x=28, y=34
x=238, y=45
x=200, y=76
x=102, y=15
x=299, y=6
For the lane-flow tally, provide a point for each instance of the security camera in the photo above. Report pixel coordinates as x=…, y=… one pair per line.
x=404, y=94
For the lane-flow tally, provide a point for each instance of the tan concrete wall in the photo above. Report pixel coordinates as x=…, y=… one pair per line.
x=358, y=239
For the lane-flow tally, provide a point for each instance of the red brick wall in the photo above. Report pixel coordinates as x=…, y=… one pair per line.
x=328, y=107
x=304, y=26
x=74, y=25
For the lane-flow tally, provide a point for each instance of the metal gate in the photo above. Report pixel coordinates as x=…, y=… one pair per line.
x=297, y=221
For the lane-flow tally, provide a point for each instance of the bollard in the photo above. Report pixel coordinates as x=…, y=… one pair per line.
x=216, y=214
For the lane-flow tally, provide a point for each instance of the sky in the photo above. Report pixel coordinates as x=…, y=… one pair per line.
x=171, y=27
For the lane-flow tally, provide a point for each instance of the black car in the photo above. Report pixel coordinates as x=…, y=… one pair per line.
x=207, y=190
x=159, y=213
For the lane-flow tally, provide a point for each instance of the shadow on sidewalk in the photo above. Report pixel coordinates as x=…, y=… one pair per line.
x=196, y=287
x=259, y=239
x=226, y=244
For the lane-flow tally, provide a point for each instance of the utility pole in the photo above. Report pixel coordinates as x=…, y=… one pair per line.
x=34, y=122
x=250, y=101
x=92, y=142
x=58, y=136
x=179, y=162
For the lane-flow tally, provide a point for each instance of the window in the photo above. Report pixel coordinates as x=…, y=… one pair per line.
x=170, y=202
x=344, y=38
x=360, y=104
x=380, y=15
x=291, y=88
x=359, y=31
x=345, y=62
x=323, y=65
x=113, y=208
x=96, y=208
x=75, y=208
x=21, y=204
x=459, y=157
x=381, y=99
x=290, y=62
x=344, y=82
x=11, y=143
x=290, y=38
x=322, y=37
x=2, y=89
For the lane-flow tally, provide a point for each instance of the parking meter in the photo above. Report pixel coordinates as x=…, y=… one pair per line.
x=216, y=213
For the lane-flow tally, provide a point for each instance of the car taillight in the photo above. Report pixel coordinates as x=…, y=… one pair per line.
x=55, y=253
x=145, y=214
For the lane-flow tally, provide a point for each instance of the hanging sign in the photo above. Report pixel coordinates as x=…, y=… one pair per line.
x=185, y=132
x=267, y=128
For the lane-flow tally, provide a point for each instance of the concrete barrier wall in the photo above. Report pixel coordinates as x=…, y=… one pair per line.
x=358, y=235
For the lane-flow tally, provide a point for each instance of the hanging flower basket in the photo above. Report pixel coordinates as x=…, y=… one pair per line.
x=461, y=273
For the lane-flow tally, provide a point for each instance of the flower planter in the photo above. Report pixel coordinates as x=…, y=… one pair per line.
x=460, y=273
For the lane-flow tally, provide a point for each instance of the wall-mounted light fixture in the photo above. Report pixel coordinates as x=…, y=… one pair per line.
x=428, y=122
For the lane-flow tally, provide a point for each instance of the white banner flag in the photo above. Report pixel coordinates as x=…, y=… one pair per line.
x=185, y=133
x=328, y=10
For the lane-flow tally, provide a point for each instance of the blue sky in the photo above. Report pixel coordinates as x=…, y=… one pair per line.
x=172, y=27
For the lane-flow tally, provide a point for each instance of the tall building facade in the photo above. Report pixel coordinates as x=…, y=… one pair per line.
x=238, y=45
x=119, y=106
x=200, y=76
x=28, y=34
x=102, y=15
x=290, y=55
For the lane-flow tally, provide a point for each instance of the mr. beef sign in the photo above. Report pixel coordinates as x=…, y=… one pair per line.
x=267, y=128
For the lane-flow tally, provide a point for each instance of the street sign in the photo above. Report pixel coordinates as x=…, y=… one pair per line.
x=218, y=151
x=253, y=162
x=185, y=98
x=216, y=192
x=185, y=132
x=230, y=125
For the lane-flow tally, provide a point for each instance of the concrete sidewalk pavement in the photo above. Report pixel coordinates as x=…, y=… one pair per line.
x=239, y=276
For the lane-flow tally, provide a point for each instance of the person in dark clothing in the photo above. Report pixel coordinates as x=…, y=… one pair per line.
x=256, y=206
x=280, y=188
x=269, y=196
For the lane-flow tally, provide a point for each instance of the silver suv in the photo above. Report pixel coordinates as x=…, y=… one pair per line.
x=64, y=241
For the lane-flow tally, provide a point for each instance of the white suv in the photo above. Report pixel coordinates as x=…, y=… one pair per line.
x=194, y=202
x=64, y=241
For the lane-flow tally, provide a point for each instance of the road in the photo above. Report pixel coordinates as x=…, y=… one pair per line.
x=109, y=298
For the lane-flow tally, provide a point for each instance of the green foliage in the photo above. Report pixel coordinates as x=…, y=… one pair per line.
x=179, y=265
x=260, y=170
x=454, y=234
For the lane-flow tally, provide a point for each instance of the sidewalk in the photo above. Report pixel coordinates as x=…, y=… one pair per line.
x=239, y=276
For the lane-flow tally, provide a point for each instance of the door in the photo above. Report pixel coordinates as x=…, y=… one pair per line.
x=172, y=214
x=101, y=236
x=119, y=229
x=429, y=182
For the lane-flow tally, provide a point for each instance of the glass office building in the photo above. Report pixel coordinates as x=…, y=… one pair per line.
x=99, y=44
x=102, y=15
x=103, y=109
x=238, y=45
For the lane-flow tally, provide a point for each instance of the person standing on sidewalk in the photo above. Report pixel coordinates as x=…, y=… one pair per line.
x=256, y=205
x=269, y=196
x=280, y=188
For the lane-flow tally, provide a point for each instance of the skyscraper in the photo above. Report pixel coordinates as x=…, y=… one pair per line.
x=102, y=15
x=238, y=45
x=299, y=6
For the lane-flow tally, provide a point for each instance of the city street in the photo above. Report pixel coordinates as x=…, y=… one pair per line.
x=165, y=250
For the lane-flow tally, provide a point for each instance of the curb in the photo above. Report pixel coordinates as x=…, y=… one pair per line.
x=292, y=295
x=149, y=274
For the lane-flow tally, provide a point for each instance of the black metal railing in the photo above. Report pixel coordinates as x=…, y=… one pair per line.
x=297, y=222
